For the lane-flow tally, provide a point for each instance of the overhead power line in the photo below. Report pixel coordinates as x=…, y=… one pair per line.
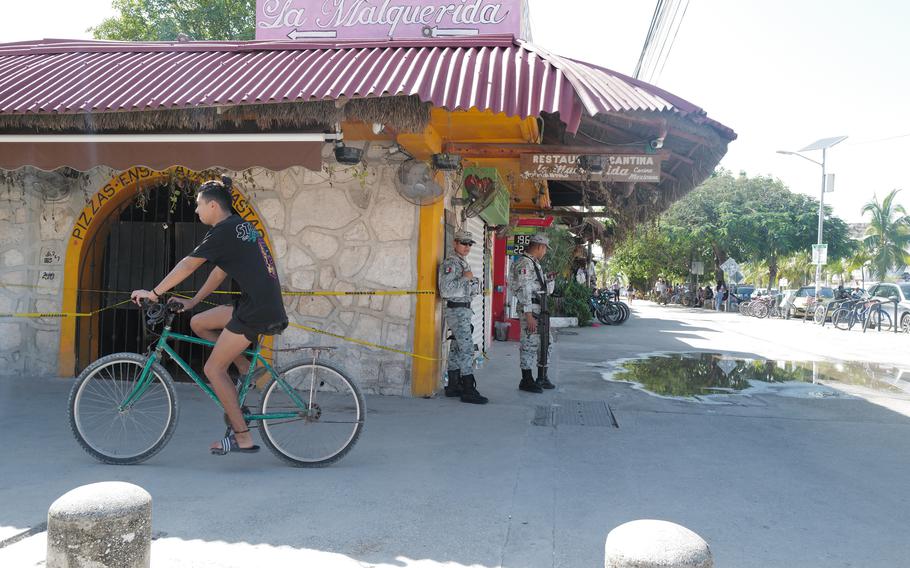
x=660, y=39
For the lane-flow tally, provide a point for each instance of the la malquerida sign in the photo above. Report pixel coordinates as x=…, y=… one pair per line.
x=384, y=19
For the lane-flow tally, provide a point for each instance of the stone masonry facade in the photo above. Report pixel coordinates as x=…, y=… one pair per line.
x=342, y=229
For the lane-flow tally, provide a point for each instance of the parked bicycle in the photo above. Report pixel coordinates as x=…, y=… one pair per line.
x=868, y=313
x=607, y=310
x=123, y=407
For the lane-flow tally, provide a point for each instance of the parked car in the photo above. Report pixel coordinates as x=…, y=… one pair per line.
x=801, y=298
x=744, y=293
x=899, y=292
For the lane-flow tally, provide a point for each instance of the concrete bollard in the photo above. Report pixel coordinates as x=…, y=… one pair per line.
x=102, y=525
x=656, y=544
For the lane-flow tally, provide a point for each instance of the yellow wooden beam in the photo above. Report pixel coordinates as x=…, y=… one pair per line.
x=421, y=145
x=425, y=373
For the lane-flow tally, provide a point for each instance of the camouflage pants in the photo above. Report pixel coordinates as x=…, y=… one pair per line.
x=530, y=345
x=461, y=351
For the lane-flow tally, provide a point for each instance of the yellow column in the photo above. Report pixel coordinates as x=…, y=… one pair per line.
x=427, y=322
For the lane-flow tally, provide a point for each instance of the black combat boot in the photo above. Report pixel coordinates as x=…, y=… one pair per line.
x=527, y=382
x=454, y=387
x=542, y=380
x=469, y=392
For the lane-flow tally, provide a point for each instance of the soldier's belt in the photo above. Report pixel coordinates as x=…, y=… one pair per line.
x=458, y=304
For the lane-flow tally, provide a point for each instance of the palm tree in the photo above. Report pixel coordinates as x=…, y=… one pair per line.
x=888, y=235
x=756, y=273
x=795, y=268
x=859, y=262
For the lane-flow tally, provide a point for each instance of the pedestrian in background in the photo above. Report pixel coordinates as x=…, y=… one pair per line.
x=527, y=282
x=457, y=286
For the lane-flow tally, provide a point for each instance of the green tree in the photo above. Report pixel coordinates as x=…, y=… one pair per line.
x=165, y=20
x=701, y=216
x=650, y=253
x=754, y=219
x=860, y=258
x=888, y=234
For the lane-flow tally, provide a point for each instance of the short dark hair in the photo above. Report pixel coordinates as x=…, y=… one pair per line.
x=218, y=191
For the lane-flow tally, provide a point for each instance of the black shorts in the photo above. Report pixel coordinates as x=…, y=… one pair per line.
x=253, y=331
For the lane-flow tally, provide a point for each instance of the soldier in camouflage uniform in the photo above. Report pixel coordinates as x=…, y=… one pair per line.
x=526, y=280
x=457, y=285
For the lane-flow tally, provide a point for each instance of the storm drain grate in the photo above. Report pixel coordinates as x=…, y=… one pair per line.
x=591, y=413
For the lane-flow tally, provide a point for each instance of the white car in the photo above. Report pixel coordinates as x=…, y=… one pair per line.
x=802, y=298
x=900, y=292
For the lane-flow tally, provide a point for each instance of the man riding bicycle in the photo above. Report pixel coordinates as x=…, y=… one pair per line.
x=238, y=250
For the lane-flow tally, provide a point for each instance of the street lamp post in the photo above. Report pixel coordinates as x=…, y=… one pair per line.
x=822, y=145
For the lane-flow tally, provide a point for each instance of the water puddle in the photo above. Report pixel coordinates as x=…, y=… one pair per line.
x=713, y=377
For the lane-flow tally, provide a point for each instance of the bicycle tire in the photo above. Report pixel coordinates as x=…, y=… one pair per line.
x=820, y=314
x=875, y=315
x=626, y=311
x=614, y=314
x=744, y=308
x=841, y=319
x=120, y=371
x=600, y=314
x=761, y=310
x=344, y=412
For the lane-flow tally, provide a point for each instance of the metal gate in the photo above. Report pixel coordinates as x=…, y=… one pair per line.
x=138, y=246
x=477, y=259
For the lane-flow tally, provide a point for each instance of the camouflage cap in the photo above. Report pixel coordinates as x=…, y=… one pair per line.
x=540, y=239
x=463, y=236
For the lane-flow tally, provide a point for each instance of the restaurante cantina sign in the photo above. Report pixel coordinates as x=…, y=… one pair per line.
x=618, y=168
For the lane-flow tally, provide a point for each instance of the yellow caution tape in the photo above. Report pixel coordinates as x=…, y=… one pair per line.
x=61, y=314
x=284, y=293
x=362, y=342
x=292, y=324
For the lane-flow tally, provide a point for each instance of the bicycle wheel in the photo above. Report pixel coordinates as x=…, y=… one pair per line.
x=327, y=426
x=613, y=313
x=821, y=313
x=760, y=310
x=745, y=308
x=626, y=311
x=877, y=315
x=842, y=318
x=127, y=436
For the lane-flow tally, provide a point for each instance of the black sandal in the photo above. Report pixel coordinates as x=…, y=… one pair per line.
x=229, y=444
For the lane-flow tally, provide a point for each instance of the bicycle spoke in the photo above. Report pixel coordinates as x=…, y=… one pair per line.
x=332, y=414
x=103, y=428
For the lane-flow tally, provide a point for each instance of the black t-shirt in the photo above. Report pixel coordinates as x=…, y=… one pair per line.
x=235, y=246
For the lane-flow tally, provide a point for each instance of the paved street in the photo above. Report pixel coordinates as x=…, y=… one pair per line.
x=767, y=480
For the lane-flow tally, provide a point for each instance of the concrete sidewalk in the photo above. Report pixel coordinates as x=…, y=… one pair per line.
x=773, y=481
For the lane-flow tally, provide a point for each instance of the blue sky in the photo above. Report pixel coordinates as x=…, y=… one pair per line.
x=781, y=73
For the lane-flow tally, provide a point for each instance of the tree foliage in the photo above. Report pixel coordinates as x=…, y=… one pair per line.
x=651, y=253
x=888, y=235
x=754, y=220
x=165, y=20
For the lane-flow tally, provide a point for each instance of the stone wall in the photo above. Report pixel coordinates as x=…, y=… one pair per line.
x=344, y=229
x=37, y=212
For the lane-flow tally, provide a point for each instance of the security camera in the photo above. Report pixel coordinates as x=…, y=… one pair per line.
x=656, y=144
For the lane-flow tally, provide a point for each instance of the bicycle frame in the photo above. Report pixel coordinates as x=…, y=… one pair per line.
x=145, y=379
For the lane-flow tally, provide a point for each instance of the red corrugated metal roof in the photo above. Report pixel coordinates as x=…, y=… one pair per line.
x=500, y=74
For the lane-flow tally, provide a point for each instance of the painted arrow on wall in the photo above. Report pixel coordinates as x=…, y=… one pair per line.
x=302, y=34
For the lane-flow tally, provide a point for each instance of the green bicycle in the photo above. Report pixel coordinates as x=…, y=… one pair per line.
x=123, y=407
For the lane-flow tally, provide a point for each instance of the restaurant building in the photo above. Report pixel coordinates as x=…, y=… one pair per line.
x=358, y=143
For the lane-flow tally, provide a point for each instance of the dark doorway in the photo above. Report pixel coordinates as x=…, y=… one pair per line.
x=143, y=243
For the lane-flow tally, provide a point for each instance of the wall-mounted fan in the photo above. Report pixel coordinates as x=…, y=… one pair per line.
x=415, y=183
